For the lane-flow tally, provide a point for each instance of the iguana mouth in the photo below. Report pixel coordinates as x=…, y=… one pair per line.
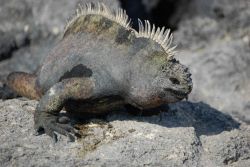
x=179, y=94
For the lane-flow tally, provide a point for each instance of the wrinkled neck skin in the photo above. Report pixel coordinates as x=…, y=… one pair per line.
x=139, y=91
x=138, y=76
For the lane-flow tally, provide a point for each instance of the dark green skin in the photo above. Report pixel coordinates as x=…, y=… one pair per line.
x=103, y=65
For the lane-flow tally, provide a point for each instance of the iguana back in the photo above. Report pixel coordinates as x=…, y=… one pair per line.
x=93, y=41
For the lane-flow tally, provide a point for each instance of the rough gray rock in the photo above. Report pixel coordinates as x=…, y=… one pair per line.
x=19, y=147
x=187, y=134
x=214, y=42
x=212, y=130
x=229, y=148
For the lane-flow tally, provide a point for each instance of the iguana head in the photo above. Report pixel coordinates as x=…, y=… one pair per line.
x=173, y=82
x=156, y=78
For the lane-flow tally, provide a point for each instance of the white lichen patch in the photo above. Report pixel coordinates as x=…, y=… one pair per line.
x=52, y=92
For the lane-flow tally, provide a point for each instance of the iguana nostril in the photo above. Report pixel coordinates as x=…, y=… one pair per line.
x=174, y=81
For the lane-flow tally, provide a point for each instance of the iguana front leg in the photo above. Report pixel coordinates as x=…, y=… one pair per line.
x=46, y=115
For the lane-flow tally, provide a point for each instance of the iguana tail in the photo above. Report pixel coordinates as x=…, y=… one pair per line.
x=24, y=84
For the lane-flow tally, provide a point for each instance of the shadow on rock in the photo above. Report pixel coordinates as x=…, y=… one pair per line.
x=205, y=119
x=6, y=92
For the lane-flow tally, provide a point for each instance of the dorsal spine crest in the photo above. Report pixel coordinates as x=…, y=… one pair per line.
x=160, y=35
x=118, y=15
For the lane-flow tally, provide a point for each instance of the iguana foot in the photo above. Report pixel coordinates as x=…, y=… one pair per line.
x=47, y=112
x=51, y=125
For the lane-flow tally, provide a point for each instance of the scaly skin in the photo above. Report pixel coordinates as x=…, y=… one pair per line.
x=102, y=64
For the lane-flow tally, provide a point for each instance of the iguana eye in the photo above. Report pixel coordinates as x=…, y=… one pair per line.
x=174, y=81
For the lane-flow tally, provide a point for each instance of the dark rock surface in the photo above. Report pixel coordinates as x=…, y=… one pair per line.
x=211, y=130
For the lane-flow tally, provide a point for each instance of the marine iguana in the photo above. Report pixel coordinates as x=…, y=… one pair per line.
x=101, y=62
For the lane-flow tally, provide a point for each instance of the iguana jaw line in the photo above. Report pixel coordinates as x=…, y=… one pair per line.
x=178, y=94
